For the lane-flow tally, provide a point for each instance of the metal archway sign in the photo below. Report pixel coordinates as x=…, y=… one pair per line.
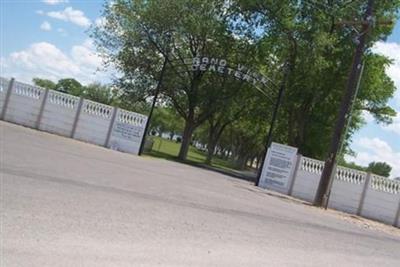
x=221, y=66
x=239, y=72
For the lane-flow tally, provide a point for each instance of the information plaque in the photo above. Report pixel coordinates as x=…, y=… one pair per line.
x=278, y=166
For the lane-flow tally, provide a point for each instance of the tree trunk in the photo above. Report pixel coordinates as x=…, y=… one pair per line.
x=241, y=162
x=186, y=139
x=228, y=154
x=258, y=162
x=210, y=150
x=212, y=143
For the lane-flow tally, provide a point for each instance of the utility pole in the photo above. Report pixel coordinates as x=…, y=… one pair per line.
x=158, y=87
x=351, y=108
x=322, y=195
x=325, y=204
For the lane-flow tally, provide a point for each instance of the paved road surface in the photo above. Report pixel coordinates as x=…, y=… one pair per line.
x=67, y=203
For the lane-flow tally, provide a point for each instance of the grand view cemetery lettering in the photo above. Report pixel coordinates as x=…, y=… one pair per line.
x=221, y=66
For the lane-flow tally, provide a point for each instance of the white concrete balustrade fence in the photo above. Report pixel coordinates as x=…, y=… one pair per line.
x=352, y=191
x=71, y=116
x=59, y=113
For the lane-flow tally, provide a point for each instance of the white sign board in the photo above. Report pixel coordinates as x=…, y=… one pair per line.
x=278, y=166
x=128, y=132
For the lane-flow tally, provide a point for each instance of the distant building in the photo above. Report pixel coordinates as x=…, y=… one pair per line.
x=397, y=179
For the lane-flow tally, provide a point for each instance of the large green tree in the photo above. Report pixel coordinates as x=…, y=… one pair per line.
x=101, y=93
x=309, y=35
x=45, y=83
x=70, y=86
x=139, y=35
x=380, y=168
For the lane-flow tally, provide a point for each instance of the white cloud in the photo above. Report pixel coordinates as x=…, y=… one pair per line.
x=391, y=50
x=375, y=144
x=84, y=56
x=45, y=26
x=45, y=60
x=40, y=12
x=54, y=2
x=368, y=118
x=100, y=21
x=375, y=149
x=395, y=126
x=71, y=15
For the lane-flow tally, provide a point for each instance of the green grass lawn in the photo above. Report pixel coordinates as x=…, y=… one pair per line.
x=164, y=148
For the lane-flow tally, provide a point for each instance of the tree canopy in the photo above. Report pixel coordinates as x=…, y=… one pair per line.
x=98, y=92
x=309, y=36
x=380, y=168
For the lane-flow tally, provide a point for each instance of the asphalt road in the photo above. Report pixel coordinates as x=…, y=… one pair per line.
x=68, y=203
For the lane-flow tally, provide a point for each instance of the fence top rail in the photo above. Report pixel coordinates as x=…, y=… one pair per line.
x=97, y=109
x=345, y=174
x=342, y=173
x=63, y=99
x=130, y=117
x=28, y=90
x=380, y=183
x=350, y=175
x=311, y=165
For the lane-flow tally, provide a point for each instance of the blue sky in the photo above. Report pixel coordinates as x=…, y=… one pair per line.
x=48, y=38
